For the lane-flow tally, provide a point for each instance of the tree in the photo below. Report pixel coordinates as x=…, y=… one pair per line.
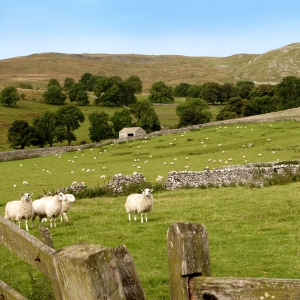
x=288, y=92
x=262, y=90
x=100, y=128
x=145, y=116
x=74, y=89
x=9, y=96
x=68, y=117
x=112, y=96
x=121, y=119
x=135, y=84
x=236, y=107
x=192, y=112
x=82, y=98
x=20, y=134
x=91, y=82
x=181, y=90
x=53, y=81
x=68, y=83
x=112, y=91
x=45, y=128
x=244, y=88
x=211, y=92
x=226, y=115
x=77, y=93
x=127, y=93
x=84, y=80
x=228, y=91
x=102, y=85
x=54, y=95
x=263, y=105
x=194, y=91
x=161, y=93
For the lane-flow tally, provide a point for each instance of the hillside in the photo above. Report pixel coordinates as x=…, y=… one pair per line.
x=269, y=67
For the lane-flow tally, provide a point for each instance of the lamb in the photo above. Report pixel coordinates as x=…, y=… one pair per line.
x=139, y=203
x=20, y=209
x=48, y=207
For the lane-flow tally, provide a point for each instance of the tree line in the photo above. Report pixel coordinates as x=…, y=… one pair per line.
x=240, y=99
x=244, y=98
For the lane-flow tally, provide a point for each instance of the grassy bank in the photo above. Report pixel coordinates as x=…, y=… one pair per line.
x=252, y=232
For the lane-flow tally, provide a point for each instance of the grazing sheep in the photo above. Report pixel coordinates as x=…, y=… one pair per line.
x=159, y=178
x=139, y=203
x=48, y=207
x=20, y=209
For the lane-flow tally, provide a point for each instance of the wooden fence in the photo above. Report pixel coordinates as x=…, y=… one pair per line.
x=85, y=271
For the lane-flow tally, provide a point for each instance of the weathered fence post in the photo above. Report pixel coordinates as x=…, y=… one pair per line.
x=80, y=271
x=188, y=256
x=96, y=272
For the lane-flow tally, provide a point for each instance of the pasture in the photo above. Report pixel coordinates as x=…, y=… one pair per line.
x=33, y=105
x=252, y=232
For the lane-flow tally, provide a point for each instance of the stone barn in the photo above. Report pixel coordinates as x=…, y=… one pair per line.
x=131, y=131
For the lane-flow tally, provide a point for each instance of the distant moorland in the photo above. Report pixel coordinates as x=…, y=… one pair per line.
x=37, y=69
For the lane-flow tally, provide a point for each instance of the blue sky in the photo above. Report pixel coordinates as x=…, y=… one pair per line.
x=191, y=27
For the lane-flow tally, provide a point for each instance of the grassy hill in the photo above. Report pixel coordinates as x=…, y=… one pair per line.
x=253, y=232
x=37, y=69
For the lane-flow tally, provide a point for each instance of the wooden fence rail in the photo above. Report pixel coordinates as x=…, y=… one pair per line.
x=189, y=269
x=80, y=271
x=86, y=271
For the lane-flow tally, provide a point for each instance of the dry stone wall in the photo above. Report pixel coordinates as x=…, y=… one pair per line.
x=118, y=181
x=250, y=174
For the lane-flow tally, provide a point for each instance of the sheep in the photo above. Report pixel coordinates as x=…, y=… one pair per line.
x=48, y=207
x=66, y=205
x=139, y=203
x=159, y=178
x=20, y=209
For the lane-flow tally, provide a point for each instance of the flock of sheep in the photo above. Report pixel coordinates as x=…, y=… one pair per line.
x=47, y=207
x=51, y=207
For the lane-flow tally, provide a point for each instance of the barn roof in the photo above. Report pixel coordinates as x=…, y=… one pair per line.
x=130, y=129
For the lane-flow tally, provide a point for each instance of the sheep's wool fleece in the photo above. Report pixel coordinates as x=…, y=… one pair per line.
x=139, y=203
x=19, y=209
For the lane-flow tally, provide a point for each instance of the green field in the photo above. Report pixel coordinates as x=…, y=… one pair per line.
x=33, y=106
x=253, y=232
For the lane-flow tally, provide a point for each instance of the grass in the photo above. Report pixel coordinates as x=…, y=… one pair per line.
x=253, y=232
x=33, y=106
x=243, y=242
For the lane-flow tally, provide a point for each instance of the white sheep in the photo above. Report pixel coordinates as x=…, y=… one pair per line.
x=159, y=178
x=20, y=209
x=48, y=207
x=66, y=205
x=139, y=203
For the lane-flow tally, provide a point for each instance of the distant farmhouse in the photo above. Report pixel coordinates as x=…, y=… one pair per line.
x=131, y=131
